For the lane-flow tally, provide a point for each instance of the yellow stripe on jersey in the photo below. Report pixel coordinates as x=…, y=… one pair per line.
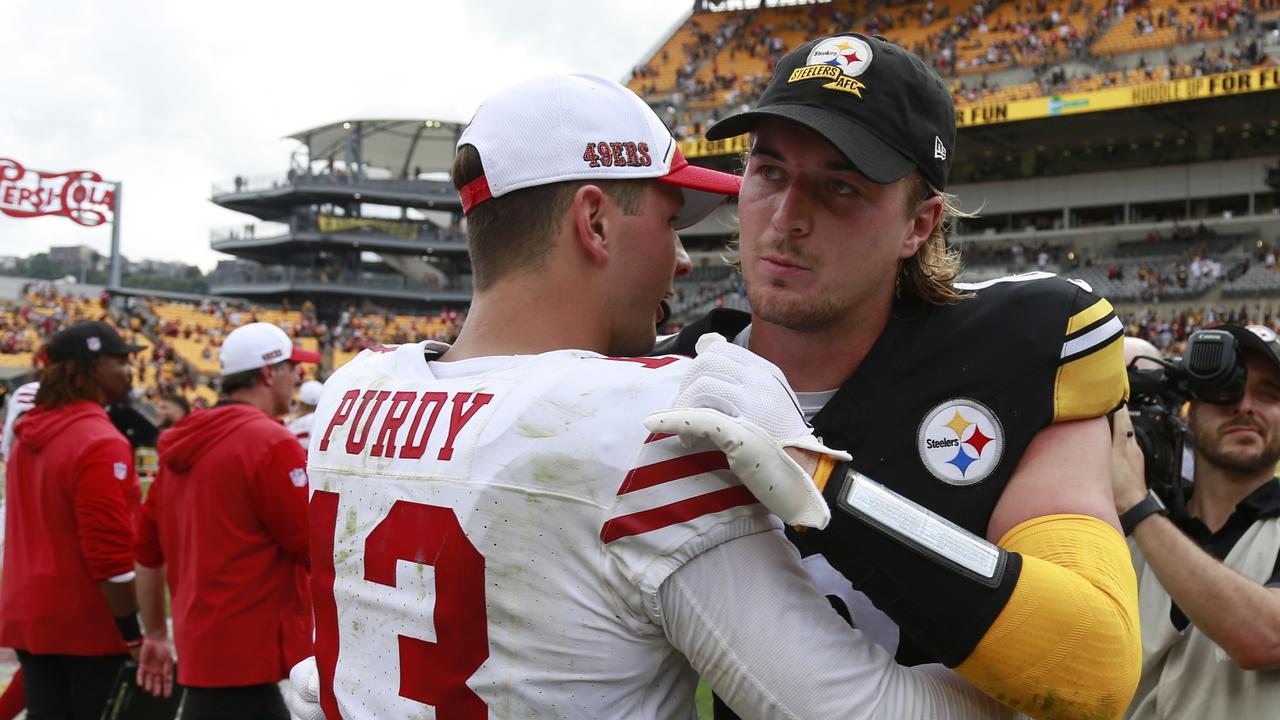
x=1093, y=380
x=1091, y=385
x=1089, y=316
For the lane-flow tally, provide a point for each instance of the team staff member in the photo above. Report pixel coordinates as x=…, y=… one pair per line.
x=226, y=523
x=67, y=603
x=1209, y=582
x=982, y=404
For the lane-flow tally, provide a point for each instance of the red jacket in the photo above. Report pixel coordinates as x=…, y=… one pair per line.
x=227, y=515
x=70, y=491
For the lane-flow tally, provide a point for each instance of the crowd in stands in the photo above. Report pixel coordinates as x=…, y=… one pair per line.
x=357, y=331
x=24, y=328
x=1169, y=330
x=182, y=340
x=701, y=67
x=1242, y=55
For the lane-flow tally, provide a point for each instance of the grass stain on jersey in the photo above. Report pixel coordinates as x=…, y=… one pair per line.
x=351, y=525
x=537, y=432
x=550, y=418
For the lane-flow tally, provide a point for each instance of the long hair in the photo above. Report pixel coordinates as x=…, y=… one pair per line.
x=69, y=381
x=931, y=273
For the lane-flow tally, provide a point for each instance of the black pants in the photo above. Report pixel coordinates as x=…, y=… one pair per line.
x=68, y=687
x=251, y=702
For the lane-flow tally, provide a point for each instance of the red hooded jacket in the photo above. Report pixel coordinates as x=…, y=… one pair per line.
x=227, y=516
x=71, y=492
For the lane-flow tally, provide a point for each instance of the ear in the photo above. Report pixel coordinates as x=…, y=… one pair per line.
x=267, y=375
x=589, y=215
x=924, y=219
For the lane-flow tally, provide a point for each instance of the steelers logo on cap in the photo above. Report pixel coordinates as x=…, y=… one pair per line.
x=852, y=55
x=960, y=441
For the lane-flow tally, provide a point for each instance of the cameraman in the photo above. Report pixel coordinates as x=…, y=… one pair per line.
x=1209, y=580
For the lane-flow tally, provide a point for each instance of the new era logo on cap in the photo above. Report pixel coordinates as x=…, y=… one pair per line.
x=939, y=150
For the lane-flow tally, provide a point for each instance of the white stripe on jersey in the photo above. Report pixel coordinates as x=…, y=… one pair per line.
x=1021, y=277
x=1101, y=335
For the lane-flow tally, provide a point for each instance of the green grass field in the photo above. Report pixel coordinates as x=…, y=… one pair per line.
x=704, y=701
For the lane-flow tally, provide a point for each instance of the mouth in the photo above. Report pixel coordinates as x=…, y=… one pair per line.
x=781, y=265
x=1241, y=429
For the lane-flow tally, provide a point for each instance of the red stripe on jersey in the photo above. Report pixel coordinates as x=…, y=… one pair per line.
x=655, y=437
x=673, y=469
x=653, y=363
x=324, y=523
x=675, y=513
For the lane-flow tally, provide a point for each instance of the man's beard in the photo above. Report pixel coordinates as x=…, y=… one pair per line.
x=1250, y=462
x=797, y=314
x=800, y=314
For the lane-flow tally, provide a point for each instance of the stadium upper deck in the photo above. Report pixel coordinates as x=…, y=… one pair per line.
x=362, y=214
x=717, y=61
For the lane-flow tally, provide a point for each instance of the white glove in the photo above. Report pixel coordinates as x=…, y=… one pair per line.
x=303, y=697
x=743, y=404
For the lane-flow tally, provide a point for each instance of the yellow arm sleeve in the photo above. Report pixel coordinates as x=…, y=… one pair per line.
x=1068, y=643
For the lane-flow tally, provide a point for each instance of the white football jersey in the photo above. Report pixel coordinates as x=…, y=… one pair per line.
x=489, y=535
x=301, y=428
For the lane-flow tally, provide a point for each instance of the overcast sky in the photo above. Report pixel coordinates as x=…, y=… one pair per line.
x=171, y=97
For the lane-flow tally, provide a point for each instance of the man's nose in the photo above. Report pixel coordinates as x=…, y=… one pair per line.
x=793, y=215
x=684, y=264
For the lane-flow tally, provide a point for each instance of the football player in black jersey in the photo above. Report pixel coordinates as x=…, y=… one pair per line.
x=977, y=511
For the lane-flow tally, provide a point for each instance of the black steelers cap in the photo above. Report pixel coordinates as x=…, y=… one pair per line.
x=877, y=103
x=87, y=340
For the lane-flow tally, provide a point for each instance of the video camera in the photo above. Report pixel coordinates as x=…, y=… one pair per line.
x=1211, y=370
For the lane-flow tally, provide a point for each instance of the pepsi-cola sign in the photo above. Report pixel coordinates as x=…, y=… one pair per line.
x=80, y=195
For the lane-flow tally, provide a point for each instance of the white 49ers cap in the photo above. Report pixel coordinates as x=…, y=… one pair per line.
x=258, y=345
x=582, y=127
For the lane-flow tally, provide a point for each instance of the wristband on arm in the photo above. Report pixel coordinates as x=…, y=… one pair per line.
x=942, y=584
x=130, y=629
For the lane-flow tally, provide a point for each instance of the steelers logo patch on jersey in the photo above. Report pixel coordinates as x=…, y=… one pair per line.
x=960, y=441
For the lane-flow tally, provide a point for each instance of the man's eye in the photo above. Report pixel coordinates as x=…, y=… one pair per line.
x=841, y=187
x=768, y=172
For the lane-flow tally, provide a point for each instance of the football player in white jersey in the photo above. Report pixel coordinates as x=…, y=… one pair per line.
x=308, y=398
x=495, y=533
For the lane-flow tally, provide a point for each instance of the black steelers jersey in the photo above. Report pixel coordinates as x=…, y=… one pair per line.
x=941, y=411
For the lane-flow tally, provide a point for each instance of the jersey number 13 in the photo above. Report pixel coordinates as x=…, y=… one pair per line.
x=430, y=673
